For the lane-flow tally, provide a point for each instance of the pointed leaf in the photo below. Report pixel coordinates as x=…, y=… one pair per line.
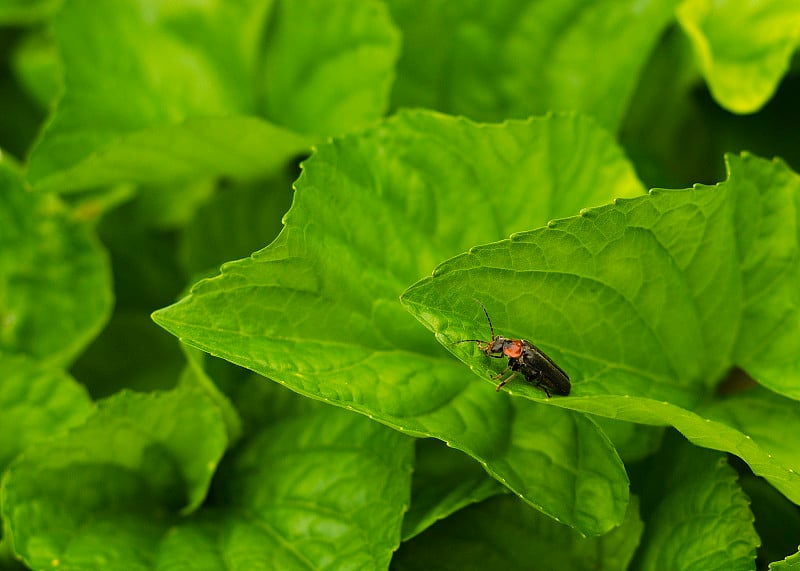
x=647, y=302
x=317, y=310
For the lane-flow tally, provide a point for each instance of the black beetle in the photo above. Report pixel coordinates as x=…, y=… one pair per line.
x=523, y=357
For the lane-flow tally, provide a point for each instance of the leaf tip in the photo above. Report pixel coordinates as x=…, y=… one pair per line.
x=164, y=317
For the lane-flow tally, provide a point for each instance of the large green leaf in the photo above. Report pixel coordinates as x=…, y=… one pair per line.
x=318, y=312
x=159, y=92
x=55, y=283
x=647, y=303
x=503, y=533
x=701, y=518
x=325, y=489
x=288, y=509
x=328, y=66
x=744, y=47
x=516, y=58
x=108, y=489
x=37, y=402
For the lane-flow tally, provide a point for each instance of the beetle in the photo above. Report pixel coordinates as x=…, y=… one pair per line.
x=525, y=358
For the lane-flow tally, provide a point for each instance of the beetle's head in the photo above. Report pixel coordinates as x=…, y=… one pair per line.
x=498, y=345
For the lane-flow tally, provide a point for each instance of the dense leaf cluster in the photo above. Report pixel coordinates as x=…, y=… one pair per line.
x=311, y=196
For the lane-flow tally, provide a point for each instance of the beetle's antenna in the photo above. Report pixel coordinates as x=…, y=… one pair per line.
x=486, y=313
x=469, y=341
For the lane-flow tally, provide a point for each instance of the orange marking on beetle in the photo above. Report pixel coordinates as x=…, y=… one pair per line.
x=513, y=348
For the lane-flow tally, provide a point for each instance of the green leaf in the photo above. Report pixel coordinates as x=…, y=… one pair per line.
x=165, y=93
x=194, y=375
x=172, y=206
x=35, y=64
x=765, y=418
x=328, y=66
x=445, y=481
x=291, y=508
x=638, y=348
x=767, y=199
x=701, y=519
x=103, y=497
x=106, y=489
x=287, y=509
x=744, y=48
x=317, y=310
x=37, y=402
x=504, y=533
x=55, y=282
x=26, y=11
x=523, y=57
x=791, y=563
x=67, y=158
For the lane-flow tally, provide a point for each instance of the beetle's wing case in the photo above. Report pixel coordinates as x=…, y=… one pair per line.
x=537, y=359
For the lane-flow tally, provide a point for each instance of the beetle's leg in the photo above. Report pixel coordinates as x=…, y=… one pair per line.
x=536, y=378
x=501, y=373
x=500, y=356
x=505, y=381
x=542, y=386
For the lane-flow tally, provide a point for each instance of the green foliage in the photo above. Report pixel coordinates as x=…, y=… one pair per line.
x=127, y=472
x=137, y=457
x=699, y=517
x=37, y=401
x=239, y=242
x=743, y=47
x=364, y=353
x=54, y=275
x=585, y=285
x=516, y=58
x=502, y=534
x=197, y=92
x=24, y=11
